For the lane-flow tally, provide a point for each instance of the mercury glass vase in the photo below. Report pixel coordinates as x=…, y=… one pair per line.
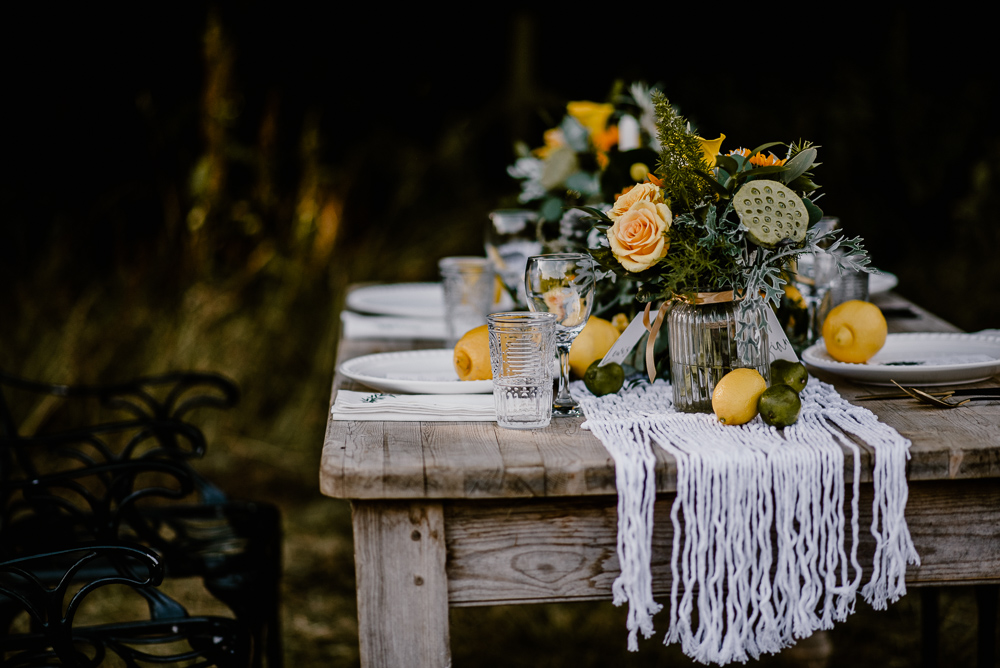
x=704, y=347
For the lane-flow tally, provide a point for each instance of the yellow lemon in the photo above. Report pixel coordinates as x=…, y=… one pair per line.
x=794, y=296
x=472, y=355
x=854, y=331
x=735, y=397
x=620, y=321
x=592, y=343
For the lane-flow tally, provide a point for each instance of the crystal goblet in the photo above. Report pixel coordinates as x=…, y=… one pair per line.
x=562, y=284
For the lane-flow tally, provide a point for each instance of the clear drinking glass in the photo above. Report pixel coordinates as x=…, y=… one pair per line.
x=814, y=274
x=511, y=238
x=468, y=294
x=562, y=284
x=521, y=348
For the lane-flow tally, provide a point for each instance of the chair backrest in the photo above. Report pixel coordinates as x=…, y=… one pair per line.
x=88, y=474
x=48, y=429
x=167, y=635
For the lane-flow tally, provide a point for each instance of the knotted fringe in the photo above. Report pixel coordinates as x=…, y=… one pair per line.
x=752, y=499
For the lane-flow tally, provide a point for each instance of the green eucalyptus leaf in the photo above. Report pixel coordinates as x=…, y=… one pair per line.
x=716, y=186
x=803, y=184
x=768, y=145
x=815, y=213
x=769, y=169
x=798, y=165
x=595, y=213
x=727, y=163
x=551, y=209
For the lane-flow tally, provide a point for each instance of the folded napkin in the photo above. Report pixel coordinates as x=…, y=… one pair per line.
x=357, y=326
x=413, y=407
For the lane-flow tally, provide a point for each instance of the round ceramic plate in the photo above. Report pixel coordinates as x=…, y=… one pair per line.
x=917, y=359
x=883, y=281
x=419, y=300
x=413, y=371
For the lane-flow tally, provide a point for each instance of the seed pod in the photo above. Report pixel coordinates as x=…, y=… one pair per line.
x=771, y=212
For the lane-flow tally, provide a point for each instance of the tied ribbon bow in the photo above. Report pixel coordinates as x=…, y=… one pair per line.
x=661, y=314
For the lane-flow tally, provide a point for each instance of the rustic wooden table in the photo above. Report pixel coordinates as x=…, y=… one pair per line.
x=465, y=513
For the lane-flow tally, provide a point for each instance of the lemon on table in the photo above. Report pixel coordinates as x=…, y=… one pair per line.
x=854, y=331
x=592, y=343
x=735, y=397
x=792, y=374
x=779, y=405
x=601, y=380
x=472, y=355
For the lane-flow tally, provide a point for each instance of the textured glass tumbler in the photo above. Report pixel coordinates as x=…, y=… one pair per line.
x=704, y=347
x=468, y=294
x=521, y=349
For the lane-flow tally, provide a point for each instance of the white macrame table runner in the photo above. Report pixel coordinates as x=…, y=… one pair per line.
x=760, y=555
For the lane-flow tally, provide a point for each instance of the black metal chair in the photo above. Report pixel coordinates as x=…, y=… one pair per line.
x=169, y=636
x=128, y=477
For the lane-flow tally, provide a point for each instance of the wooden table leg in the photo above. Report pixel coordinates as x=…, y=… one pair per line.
x=399, y=554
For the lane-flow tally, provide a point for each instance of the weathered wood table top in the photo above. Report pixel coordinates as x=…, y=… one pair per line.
x=467, y=513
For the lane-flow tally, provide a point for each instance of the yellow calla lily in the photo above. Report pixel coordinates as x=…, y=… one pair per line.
x=710, y=149
x=592, y=115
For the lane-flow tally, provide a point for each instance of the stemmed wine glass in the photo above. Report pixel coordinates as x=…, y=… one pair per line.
x=562, y=284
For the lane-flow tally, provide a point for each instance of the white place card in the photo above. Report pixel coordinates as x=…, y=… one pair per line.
x=626, y=342
x=781, y=348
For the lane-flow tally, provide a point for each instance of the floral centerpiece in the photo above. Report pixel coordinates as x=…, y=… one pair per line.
x=717, y=227
x=596, y=150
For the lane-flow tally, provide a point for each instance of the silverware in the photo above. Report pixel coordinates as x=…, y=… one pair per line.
x=923, y=397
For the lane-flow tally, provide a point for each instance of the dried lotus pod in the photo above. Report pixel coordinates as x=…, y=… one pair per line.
x=771, y=212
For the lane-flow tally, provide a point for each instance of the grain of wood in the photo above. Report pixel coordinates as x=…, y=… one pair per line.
x=532, y=551
x=402, y=586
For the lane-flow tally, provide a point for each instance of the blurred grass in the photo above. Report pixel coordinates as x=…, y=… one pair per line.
x=217, y=193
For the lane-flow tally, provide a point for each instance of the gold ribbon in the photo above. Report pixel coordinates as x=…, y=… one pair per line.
x=653, y=331
x=699, y=298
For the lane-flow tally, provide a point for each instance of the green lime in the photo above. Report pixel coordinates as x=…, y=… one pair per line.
x=792, y=374
x=601, y=380
x=779, y=406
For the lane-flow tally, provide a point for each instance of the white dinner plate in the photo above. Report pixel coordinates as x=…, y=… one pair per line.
x=917, y=359
x=883, y=281
x=420, y=300
x=413, y=371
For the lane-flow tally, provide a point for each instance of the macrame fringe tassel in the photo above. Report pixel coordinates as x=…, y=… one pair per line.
x=736, y=486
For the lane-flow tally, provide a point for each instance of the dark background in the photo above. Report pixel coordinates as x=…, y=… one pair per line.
x=193, y=185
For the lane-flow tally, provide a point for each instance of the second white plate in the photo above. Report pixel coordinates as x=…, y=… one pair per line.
x=413, y=371
x=417, y=300
x=883, y=281
x=917, y=359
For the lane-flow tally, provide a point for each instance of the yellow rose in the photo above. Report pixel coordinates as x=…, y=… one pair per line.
x=642, y=192
x=638, y=238
x=710, y=149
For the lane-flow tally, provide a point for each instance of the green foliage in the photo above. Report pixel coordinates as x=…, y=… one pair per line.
x=680, y=156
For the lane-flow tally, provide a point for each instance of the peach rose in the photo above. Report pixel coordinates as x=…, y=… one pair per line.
x=642, y=192
x=638, y=237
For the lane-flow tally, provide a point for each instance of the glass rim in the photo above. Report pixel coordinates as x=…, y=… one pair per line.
x=460, y=260
x=563, y=257
x=520, y=318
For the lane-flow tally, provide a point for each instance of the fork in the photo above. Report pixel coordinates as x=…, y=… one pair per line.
x=940, y=401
